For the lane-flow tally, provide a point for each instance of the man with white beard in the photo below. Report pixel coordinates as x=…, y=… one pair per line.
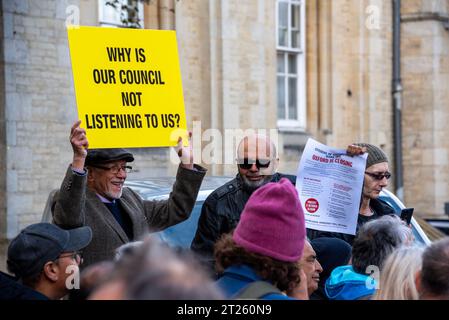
x=93, y=194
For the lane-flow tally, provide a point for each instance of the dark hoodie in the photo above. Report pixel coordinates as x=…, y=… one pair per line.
x=331, y=253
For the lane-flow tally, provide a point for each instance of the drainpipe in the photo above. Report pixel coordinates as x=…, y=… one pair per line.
x=397, y=100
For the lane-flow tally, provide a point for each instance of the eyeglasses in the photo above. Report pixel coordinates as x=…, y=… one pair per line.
x=77, y=256
x=248, y=163
x=116, y=169
x=379, y=176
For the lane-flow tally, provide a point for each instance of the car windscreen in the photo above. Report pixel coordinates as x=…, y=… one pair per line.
x=181, y=234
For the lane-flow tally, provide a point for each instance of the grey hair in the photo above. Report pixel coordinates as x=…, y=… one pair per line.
x=397, y=279
x=435, y=269
x=127, y=250
x=376, y=240
x=154, y=271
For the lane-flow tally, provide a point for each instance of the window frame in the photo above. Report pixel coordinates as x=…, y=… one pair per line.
x=299, y=124
x=117, y=24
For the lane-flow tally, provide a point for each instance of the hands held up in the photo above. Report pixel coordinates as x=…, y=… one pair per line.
x=185, y=154
x=80, y=144
x=354, y=150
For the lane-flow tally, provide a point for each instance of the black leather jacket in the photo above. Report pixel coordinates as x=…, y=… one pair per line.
x=221, y=213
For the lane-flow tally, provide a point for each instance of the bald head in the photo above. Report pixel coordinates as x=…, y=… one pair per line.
x=257, y=162
x=258, y=146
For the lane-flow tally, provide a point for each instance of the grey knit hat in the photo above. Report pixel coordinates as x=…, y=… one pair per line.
x=375, y=154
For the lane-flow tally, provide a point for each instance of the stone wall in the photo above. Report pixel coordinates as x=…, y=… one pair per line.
x=228, y=61
x=39, y=105
x=39, y=108
x=425, y=72
x=227, y=53
x=348, y=74
x=3, y=175
x=360, y=75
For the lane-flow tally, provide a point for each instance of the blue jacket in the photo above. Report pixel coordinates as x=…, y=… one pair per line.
x=236, y=278
x=346, y=284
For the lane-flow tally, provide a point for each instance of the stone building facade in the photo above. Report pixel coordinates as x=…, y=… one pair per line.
x=425, y=72
x=228, y=51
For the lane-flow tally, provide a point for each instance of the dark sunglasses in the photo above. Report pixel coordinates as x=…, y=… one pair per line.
x=379, y=176
x=248, y=163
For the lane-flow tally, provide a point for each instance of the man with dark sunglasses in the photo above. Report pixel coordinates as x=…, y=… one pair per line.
x=376, y=178
x=93, y=194
x=257, y=163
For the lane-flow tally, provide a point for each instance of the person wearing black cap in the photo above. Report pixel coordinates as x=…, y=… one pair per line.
x=331, y=253
x=376, y=178
x=93, y=194
x=42, y=257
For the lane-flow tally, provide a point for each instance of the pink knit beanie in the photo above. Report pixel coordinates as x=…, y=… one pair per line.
x=272, y=222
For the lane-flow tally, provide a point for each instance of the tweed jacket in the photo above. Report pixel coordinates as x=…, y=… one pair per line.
x=76, y=205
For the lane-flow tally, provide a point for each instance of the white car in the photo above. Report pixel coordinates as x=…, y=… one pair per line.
x=397, y=205
x=181, y=235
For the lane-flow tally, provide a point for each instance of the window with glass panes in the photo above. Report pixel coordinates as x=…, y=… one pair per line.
x=112, y=17
x=291, y=63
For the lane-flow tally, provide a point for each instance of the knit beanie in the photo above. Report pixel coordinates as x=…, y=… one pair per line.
x=375, y=154
x=272, y=222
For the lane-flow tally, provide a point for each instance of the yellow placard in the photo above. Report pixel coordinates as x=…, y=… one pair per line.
x=128, y=86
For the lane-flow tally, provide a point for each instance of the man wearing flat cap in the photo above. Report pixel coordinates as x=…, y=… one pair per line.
x=376, y=178
x=93, y=194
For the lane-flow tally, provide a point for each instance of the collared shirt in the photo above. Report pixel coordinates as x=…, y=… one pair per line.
x=115, y=208
x=104, y=200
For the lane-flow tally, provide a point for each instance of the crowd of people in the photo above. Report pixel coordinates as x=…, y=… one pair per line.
x=251, y=241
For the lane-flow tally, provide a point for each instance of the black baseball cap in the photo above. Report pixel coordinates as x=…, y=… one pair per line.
x=40, y=243
x=97, y=156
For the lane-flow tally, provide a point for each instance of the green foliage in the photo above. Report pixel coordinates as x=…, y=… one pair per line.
x=129, y=11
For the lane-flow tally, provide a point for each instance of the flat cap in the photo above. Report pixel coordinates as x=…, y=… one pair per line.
x=97, y=156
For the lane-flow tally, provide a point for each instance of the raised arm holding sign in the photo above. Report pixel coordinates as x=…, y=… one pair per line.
x=129, y=94
x=93, y=194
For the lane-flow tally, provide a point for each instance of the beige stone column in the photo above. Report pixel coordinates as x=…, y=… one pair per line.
x=425, y=73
